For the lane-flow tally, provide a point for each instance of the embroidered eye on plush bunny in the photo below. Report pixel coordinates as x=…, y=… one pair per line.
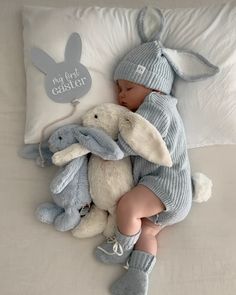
x=109, y=180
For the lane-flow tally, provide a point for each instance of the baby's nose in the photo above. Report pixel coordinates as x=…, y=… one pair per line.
x=122, y=95
x=120, y=99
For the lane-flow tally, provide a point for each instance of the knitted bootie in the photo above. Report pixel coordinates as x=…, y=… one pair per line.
x=116, y=249
x=135, y=280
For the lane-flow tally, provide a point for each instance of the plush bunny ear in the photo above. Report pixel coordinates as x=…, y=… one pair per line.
x=42, y=60
x=64, y=177
x=144, y=139
x=73, y=48
x=189, y=65
x=99, y=143
x=150, y=22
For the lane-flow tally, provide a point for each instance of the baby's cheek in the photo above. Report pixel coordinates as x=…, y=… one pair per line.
x=116, y=91
x=137, y=103
x=118, y=100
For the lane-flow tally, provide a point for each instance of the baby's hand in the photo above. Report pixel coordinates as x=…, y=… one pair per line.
x=65, y=156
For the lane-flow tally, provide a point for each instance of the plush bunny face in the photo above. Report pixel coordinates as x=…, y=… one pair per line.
x=62, y=138
x=105, y=116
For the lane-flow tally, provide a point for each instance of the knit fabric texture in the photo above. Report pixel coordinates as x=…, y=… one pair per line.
x=142, y=261
x=136, y=279
x=146, y=65
x=172, y=185
x=116, y=249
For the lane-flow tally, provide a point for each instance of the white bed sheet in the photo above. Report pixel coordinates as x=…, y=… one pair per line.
x=194, y=257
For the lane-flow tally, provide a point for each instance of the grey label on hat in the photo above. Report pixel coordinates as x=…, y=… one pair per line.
x=140, y=69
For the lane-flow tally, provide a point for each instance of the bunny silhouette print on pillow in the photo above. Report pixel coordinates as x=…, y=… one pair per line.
x=67, y=80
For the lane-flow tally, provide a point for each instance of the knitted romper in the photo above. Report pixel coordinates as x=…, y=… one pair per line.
x=171, y=185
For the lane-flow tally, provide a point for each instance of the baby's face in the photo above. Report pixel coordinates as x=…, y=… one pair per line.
x=131, y=95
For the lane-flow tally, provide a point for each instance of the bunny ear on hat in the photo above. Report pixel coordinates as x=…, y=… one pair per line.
x=150, y=23
x=189, y=65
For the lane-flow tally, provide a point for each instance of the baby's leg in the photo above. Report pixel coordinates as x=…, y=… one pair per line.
x=138, y=203
x=141, y=262
x=147, y=241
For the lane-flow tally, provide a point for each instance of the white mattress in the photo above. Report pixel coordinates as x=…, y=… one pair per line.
x=195, y=257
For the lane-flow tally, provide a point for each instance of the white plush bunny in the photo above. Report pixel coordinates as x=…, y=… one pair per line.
x=109, y=180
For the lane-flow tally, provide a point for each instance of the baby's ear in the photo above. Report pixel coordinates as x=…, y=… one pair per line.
x=144, y=139
x=189, y=65
x=73, y=48
x=42, y=60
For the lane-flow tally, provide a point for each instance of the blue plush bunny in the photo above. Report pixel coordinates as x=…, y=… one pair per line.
x=69, y=188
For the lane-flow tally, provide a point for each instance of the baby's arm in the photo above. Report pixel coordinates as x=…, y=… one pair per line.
x=74, y=151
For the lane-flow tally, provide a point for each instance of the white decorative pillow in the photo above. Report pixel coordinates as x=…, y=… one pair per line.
x=208, y=108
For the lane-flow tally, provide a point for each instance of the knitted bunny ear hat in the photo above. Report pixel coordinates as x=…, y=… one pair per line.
x=146, y=65
x=154, y=66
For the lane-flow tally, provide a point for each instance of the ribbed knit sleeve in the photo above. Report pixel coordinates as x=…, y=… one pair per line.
x=156, y=111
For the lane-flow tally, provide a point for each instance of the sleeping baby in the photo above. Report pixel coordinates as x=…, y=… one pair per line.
x=162, y=195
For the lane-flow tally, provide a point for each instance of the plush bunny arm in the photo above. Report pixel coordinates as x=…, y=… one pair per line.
x=66, y=175
x=86, y=140
x=144, y=139
x=99, y=143
x=68, y=154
